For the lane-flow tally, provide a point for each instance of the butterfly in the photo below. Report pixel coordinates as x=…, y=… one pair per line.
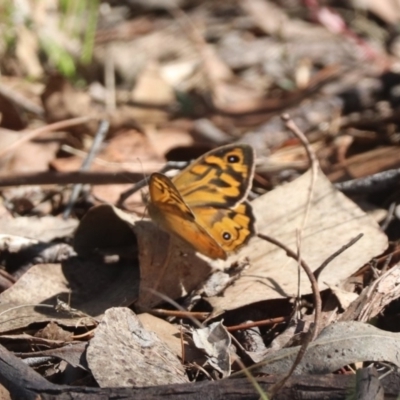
x=204, y=204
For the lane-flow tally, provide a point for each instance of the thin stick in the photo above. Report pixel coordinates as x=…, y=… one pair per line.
x=109, y=79
x=289, y=123
x=253, y=324
x=318, y=271
x=311, y=333
x=314, y=175
x=21, y=100
x=98, y=140
x=44, y=129
x=68, y=178
x=307, y=270
x=314, y=330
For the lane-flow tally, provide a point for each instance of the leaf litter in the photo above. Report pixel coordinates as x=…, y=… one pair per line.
x=68, y=287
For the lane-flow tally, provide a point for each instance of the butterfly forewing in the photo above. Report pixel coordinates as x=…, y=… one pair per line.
x=221, y=177
x=167, y=208
x=163, y=194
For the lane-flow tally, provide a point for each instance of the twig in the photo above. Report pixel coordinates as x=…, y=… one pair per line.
x=109, y=79
x=318, y=271
x=265, y=322
x=314, y=330
x=314, y=175
x=98, y=140
x=26, y=305
x=44, y=129
x=173, y=303
x=199, y=315
x=317, y=304
x=289, y=123
x=307, y=270
x=65, y=178
x=307, y=339
x=21, y=101
x=389, y=217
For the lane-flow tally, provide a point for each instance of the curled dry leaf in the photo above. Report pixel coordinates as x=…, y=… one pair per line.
x=106, y=230
x=215, y=341
x=338, y=345
x=167, y=266
x=123, y=353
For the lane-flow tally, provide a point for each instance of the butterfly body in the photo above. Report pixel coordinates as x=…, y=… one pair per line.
x=205, y=204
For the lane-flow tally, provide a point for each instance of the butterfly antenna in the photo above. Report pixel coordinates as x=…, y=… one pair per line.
x=143, y=173
x=145, y=180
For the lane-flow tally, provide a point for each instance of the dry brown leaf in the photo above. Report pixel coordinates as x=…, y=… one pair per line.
x=129, y=150
x=35, y=155
x=106, y=230
x=44, y=229
x=4, y=393
x=123, y=353
x=344, y=297
x=14, y=244
x=172, y=337
x=52, y=331
x=333, y=221
x=152, y=88
x=167, y=138
x=94, y=287
x=62, y=101
x=167, y=332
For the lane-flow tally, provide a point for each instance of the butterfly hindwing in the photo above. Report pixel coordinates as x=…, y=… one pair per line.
x=231, y=228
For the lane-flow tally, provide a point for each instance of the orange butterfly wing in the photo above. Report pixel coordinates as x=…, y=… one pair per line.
x=203, y=204
x=169, y=210
x=231, y=228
